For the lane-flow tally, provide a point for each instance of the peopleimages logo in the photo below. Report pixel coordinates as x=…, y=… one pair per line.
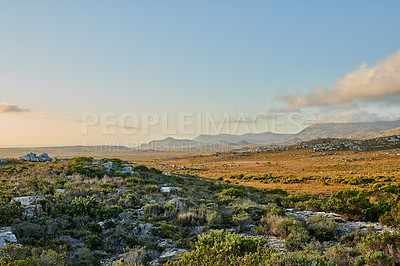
x=182, y=124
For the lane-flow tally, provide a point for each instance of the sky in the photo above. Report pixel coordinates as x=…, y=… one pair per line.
x=125, y=72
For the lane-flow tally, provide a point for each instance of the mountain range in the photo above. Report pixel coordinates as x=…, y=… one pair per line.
x=360, y=130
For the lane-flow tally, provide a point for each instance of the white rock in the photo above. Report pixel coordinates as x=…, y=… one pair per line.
x=32, y=157
x=28, y=200
x=169, y=189
x=7, y=237
x=108, y=165
x=61, y=190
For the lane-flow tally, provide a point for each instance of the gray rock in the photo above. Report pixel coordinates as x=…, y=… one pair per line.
x=127, y=169
x=60, y=190
x=28, y=200
x=7, y=237
x=344, y=227
x=176, y=201
x=108, y=165
x=122, y=191
x=32, y=157
x=143, y=231
x=169, y=189
x=170, y=253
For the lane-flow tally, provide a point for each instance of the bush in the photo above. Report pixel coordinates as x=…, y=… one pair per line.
x=188, y=218
x=322, y=228
x=353, y=203
x=221, y=248
x=9, y=211
x=132, y=257
x=20, y=255
x=297, y=239
x=232, y=192
x=141, y=168
x=242, y=220
x=280, y=226
x=386, y=242
x=89, y=206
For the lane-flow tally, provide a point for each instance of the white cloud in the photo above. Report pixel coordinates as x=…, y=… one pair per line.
x=7, y=108
x=377, y=83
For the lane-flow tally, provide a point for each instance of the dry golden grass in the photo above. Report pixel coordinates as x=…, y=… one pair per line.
x=380, y=165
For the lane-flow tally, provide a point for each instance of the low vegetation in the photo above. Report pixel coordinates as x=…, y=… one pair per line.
x=94, y=212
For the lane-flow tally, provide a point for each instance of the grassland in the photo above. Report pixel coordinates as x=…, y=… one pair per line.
x=203, y=209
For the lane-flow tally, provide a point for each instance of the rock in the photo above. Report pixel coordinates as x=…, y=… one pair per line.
x=101, y=224
x=44, y=157
x=344, y=227
x=32, y=157
x=60, y=190
x=7, y=237
x=3, y=160
x=125, y=217
x=28, y=200
x=168, y=254
x=176, y=201
x=122, y=191
x=108, y=165
x=143, y=231
x=126, y=169
x=166, y=173
x=169, y=189
x=276, y=242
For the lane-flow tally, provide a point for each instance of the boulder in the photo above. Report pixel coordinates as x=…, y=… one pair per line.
x=7, y=237
x=28, y=200
x=176, y=201
x=60, y=190
x=143, y=232
x=32, y=157
x=127, y=169
x=44, y=157
x=108, y=165
x=169, y=189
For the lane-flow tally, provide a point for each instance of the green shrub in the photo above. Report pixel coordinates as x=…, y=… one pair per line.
x=221, y=248
x=353, y=203
x=322, y=228
x=89, y=206
x=296, y=239
x=9, y=211
x=20, y=255
x=141, y=168
x=232, y=192
x=386, y=242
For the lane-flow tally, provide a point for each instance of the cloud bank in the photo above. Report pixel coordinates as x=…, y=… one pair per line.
x=377, y=83
x=7, y=108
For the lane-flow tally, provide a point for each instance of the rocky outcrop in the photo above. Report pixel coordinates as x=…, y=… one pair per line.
x=28, y=200
x=32, y=157
x=171, y=252
x=344, y=227
x=30, y=204
x=169, y=190
x=7, y=237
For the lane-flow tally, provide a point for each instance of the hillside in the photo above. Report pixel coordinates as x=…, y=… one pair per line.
x=343, y=130
x=111, y=212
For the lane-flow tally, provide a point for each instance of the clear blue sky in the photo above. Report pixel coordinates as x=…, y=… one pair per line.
x=68, y=57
